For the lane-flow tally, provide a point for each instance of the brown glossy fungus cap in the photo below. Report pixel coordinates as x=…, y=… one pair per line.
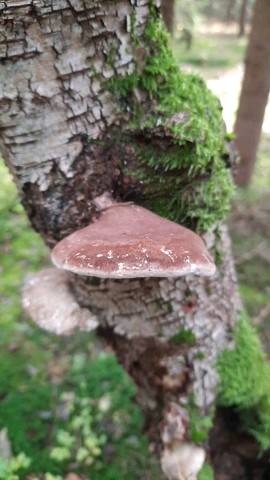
x=128, y=241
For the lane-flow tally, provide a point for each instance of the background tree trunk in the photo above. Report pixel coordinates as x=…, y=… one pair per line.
x=254, y=94
x=68, y=136
x=243, y=18
x=167, y=9
x=230, y=15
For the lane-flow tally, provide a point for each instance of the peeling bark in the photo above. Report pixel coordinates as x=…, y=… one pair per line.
x=59, y=136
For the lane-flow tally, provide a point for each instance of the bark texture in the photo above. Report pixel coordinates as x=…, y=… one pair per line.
x=60, y=137
x=254, y=94
x=150, y=313
x=54, y=108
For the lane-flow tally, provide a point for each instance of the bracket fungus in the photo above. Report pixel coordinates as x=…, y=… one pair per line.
x=128, y=241
x=180, y=459
x=49, y=301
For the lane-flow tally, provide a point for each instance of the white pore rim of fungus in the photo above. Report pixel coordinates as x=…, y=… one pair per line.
x=50, y=303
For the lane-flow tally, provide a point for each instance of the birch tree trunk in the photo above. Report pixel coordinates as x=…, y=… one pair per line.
x=69, y=133
x=254, y=93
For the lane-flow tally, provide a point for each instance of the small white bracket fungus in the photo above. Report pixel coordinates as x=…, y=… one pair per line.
x=50, y=303
x=128, y=241
x=180, y=459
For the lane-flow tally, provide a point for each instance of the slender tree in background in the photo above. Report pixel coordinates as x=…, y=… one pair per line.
x=255, y=91
x=167, y=9
x=93, y=106
x=230, y=15
x=243, y=18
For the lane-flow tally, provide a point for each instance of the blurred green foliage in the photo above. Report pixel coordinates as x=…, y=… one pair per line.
x=21, y=250
x=10, y=467
x=206, y=473
x=212, y=52
x=250, y=231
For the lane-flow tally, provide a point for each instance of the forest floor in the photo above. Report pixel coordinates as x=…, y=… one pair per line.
x=45, y=381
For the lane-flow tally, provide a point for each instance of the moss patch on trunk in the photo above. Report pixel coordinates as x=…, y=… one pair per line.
x=174, y=127
x=245, y=381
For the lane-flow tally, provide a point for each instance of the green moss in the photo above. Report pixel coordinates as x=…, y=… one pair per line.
x=216, y=250
x=230, y=136
x=244, y=371
x=184, y=336
x=170, y=307
x=188, y=181
x=133, y=36
x=245, y=381
x=110, y=57
x=95, y=281
x=199, y=425
x=200, y=356
x=206, y=473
